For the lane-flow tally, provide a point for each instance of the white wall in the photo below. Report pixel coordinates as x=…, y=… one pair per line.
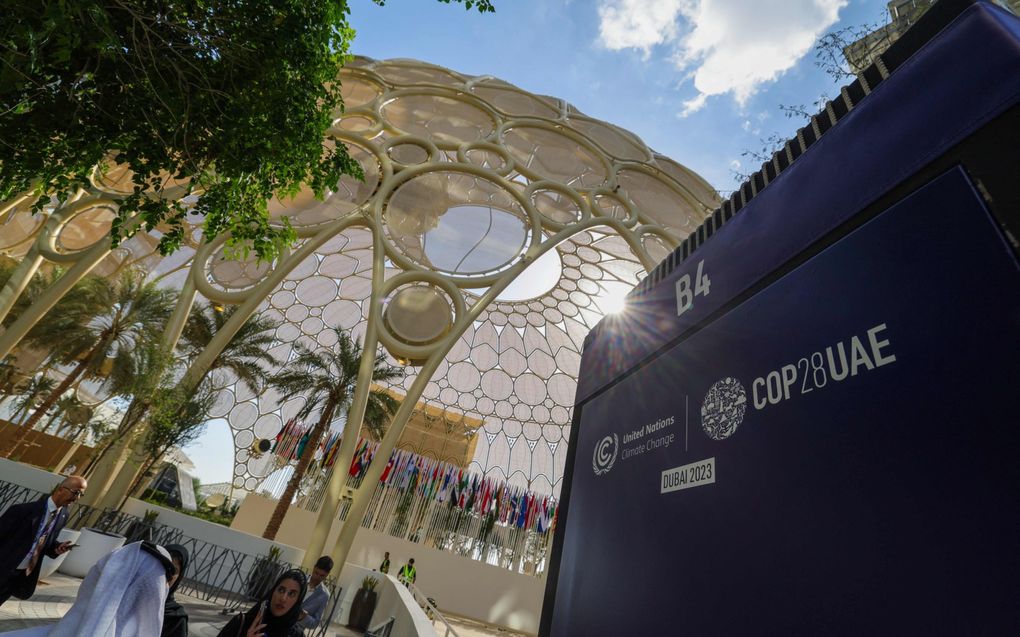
x=460, y=585
x=214, y=533
x=28, y=476
x=394, y=601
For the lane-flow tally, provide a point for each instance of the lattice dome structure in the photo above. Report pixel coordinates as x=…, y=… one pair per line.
x=505, y=223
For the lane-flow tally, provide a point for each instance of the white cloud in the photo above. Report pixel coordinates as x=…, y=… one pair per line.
x=726, y=46
x=638, y=24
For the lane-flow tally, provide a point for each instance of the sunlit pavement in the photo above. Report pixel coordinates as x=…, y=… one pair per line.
x=57, y=593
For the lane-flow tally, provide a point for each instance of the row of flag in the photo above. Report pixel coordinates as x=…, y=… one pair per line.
x=443, y=482
x=292, y=440
x=468, y=491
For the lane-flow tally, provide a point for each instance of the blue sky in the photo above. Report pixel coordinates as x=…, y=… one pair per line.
x=636, y=63
x=699, y=80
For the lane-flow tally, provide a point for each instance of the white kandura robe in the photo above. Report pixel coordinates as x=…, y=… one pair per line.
x=122, y=596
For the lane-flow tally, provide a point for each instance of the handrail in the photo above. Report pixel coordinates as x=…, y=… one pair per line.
x=381, y=630
x=429, y=606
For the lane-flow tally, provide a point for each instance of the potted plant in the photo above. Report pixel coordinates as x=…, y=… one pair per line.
x=364, y=604
x=143, y=529
x=264, y=573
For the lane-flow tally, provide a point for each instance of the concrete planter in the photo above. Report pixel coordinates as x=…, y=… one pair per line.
x=362, y=609
x=93, y=546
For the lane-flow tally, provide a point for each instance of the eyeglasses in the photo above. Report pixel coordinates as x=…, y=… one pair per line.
x=75, y=492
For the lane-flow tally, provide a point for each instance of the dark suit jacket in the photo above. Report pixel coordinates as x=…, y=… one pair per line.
x=18, y=527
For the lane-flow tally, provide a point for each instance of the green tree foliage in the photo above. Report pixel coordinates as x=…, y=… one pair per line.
x=155, y=368
x=32, y=393
x=176, y=417
x=228, y=100
x=160, y=372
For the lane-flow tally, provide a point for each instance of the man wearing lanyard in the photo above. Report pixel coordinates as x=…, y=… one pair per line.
x=28, y=532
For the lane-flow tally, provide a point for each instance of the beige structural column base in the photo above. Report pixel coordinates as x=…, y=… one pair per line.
x=106, y=470
x=116, y=493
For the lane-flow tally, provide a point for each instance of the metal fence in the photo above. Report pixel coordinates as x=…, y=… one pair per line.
x=80, y=516
x=214, y=573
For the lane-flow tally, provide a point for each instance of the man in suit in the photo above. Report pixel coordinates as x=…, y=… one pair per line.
x=28, y=532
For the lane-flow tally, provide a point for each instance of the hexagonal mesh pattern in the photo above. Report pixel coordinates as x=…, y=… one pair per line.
x=464, y=176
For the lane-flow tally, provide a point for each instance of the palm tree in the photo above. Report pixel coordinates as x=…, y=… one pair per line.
x=97, y=332
x=31, y=393
x=246, y=355
x=38, y=284
x=64, y=409
x=154, y=364
x=97, y=426
x=9, y=377
x=327, y=379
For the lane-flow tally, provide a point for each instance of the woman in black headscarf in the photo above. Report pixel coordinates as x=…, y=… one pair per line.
x=175, y=618
x=276, y=613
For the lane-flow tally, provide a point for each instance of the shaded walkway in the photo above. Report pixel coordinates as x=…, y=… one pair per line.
x=56, y=594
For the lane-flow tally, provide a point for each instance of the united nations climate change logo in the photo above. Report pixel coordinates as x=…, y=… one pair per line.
x=723, y=409
x=605, y=454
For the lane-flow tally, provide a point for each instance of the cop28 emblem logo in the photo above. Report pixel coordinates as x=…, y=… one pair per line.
x=723, y=409
x=605, y=454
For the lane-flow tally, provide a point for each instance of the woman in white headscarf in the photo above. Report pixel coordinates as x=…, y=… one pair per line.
x=122, y=596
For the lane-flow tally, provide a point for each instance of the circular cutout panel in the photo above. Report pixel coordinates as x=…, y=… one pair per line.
x=418, y=315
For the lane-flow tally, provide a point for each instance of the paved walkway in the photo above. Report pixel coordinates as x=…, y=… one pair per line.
x=57, y=593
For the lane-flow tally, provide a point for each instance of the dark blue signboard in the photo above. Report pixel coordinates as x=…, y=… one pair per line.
x=838, y=454
x=811, y=426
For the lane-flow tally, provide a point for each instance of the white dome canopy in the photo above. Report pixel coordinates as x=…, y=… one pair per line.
x=466, y=179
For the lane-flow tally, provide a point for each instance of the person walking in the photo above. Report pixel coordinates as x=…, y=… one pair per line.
x=175, y=616
x=316, y=599
x=28, y=532
x=384, y=568
x=408, y=573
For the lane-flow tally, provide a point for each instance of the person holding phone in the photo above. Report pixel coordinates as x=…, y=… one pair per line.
x=28, y=532
x=276, y=613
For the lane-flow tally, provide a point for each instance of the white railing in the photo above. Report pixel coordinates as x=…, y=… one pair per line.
x=383, y=629
x=430, y=609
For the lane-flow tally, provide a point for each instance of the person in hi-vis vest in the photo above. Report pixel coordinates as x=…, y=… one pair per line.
x=407, y=572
